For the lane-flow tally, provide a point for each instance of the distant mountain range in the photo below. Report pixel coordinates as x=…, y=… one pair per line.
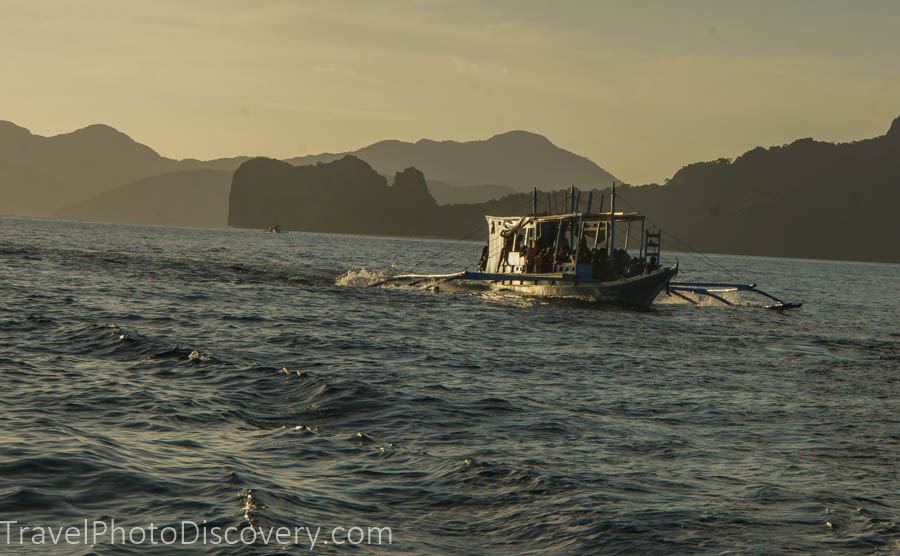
x=186, y=198
x=806, y=199
x=73, y=175
x=446, y=194
x=519, y=160
x=41, y=175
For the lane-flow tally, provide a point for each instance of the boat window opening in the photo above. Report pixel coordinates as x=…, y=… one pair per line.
x=547, y=234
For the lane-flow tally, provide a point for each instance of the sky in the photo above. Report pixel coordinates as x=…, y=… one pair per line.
x=641, y=88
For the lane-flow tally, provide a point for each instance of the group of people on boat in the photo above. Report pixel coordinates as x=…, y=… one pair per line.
x=622, y=265
x=541, y=260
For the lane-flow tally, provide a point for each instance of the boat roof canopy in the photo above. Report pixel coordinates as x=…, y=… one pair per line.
x=584, y=216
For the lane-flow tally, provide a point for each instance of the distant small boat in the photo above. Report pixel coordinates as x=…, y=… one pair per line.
x=274, y=229
x=534, y=255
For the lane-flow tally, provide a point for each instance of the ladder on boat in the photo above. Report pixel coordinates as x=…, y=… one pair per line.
x=652, y=241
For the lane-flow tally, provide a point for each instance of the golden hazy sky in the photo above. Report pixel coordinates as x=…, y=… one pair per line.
x=641, y=88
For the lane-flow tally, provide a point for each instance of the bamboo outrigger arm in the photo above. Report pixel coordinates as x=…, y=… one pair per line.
x=713, y=289
x=414, y=278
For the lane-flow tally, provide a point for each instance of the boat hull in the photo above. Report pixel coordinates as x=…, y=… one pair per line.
x=639, y=291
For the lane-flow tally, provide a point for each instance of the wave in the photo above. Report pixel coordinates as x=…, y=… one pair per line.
x=362, y=277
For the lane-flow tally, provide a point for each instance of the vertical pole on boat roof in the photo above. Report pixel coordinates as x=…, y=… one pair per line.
x=590, y=197
x=578, y=202
x=549, y=204
x=572, y=227
x=641, y=253
x=597, y=237
x=578, y=243
x=534, y=202
x=612, y=221
x=627, y=233
x=556, y=243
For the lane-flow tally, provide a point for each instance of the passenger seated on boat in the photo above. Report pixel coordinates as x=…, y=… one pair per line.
x=545, y=260
x=620, y=263
x=563, y=252
x=652, y=265
x=584, y=254
x=531, y=256
x=636, y=268
x=601, y=269
x=545, y=240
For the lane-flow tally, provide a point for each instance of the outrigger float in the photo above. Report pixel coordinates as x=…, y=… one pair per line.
x=573, y=255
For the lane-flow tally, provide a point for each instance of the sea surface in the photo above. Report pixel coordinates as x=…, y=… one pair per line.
x=234, y=378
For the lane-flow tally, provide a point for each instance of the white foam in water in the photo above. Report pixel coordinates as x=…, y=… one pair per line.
x=361, y=277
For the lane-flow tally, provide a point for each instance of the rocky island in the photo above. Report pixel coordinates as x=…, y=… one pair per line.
x=345, y=196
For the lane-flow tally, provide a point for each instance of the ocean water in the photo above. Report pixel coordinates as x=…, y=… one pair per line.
x=237, y=379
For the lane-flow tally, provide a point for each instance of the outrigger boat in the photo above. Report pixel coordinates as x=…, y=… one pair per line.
x=534, y=255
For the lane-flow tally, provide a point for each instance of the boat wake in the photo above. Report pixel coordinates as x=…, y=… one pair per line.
x=362, y=277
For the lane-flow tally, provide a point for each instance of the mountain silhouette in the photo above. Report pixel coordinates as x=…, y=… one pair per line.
x=345, y=196
x=188, y=198
x=447, y=194
x=805, y=199
x=40, y=175
x=808, y=199
x=519, y=160
x=63, y=175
